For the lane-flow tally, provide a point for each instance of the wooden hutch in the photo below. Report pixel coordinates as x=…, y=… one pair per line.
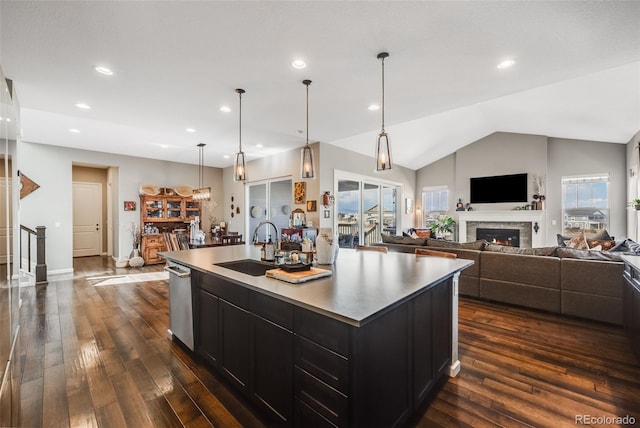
x=167, y=212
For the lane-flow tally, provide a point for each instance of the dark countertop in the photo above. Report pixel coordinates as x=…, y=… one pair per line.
x=363, y=284
x=633, y=261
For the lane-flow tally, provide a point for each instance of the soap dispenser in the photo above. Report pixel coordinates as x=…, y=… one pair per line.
x=269, y=251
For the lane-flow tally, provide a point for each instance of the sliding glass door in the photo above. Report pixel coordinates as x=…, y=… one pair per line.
x=270, y=200
x=365, y=210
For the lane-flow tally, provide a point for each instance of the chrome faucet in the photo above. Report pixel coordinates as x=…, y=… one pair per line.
x=275, y=228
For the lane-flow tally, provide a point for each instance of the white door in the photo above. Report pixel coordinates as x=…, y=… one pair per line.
x=5, y=231
x=87, y=219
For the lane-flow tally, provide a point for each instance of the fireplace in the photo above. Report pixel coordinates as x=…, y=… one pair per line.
x=508, y=237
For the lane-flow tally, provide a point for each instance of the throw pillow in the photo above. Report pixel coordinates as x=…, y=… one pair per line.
x=601, y=235
x=562, y=240
x=423, y=233
x=605, y=245
x=578, y=242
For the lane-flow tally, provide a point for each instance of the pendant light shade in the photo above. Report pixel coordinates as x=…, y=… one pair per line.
x=201, y=193
x=307, y=166
x=239, y=166
x=383, y=151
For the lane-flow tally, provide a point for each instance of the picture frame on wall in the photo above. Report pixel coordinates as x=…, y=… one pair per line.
x=299, y=189
x=311, y=206
x=129, y=205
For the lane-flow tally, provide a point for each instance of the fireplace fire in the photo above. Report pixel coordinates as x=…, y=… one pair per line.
x=507, y=237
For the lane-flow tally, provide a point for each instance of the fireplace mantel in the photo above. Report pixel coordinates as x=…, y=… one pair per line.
x=532, y=217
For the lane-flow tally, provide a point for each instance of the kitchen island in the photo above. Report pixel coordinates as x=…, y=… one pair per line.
x=362, y=347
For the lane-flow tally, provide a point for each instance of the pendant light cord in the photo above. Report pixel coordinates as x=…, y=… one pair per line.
x=240, y=122
x=383, y=94
x=307, y=114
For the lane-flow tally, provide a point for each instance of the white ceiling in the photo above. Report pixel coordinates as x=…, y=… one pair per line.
x=577, y=73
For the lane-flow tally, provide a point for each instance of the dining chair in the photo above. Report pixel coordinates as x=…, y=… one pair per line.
x=380, y=249
x=425, y=252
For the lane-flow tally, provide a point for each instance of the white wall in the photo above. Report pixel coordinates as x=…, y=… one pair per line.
x=508, y=153
x=281, y=165
x=52, y=206
x=633, y=186
x=334, y=158
x=577, y=157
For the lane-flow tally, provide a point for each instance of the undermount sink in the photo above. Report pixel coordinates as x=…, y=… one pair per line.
x=248, y=266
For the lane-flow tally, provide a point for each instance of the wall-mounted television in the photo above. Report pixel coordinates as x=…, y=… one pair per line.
x=499, y=188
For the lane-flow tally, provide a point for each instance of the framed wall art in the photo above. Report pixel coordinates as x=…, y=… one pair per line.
x=299, y=192
x=129, y=205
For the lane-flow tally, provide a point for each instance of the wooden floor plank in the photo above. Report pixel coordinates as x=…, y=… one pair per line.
x=99, y=356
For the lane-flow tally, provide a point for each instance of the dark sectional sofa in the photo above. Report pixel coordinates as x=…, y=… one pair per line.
x=581, y=283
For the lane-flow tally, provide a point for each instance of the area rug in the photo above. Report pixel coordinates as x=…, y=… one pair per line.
x=128, y=279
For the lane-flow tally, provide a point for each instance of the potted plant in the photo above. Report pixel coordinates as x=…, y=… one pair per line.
x=443, y=225
x=635, y=203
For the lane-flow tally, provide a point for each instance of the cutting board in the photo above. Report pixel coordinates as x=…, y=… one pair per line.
x=298, y=277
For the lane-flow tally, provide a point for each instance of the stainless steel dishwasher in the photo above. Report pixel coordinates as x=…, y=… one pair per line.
x=180, y=309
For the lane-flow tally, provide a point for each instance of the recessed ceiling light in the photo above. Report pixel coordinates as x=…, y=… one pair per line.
x=506, y=64
x=103, y=70
x=298, y=63
x=164, y=146
x=83, y=106
x=8, y=119
x=226, y=156
x=374, y=107
x=259, y=145
x=190, y=130
x=225, y=109
x=74, y=131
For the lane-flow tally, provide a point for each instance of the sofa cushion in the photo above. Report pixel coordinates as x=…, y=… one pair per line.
x=572, y=253
x=520, y=269
x=475, y=245
x=595, y=277
x=407, y=240
x=544, y=251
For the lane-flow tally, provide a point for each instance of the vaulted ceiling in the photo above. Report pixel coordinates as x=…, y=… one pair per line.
x=175, y=63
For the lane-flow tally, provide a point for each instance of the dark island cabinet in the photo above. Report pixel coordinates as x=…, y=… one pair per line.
x=631, y=306
x=307, y=369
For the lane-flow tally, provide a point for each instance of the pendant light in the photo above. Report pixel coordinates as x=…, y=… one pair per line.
x=307, y=166
x=239, y=167
x=201, y=193
x=383, y=152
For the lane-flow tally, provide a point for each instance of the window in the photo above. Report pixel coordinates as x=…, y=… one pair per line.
x=585, y=203
x=435, y=201
x=270, y=200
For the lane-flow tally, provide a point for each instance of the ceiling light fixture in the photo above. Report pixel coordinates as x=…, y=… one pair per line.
x=83, y=106
x=225, y=109
x=103, y=70
x=506, y=64
x=298, y=64
x=191, y=130
x=383, y=152
x=307, y=167
x=239, y=167
x=259, y=145
x=374, y=107
x=201, y=193
x=74, y=131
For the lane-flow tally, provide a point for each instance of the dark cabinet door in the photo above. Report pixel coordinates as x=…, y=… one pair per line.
x=208, y=328
x=235, y=356
x=635, y=329
x=441, y=327
x=273, y=369
x=422, y=345
x=627, y=302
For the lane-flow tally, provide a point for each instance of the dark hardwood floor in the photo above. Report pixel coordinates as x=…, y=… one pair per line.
x=99, y=356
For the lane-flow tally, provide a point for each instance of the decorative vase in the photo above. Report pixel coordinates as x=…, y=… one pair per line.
x=326, y=249
x=136, y=260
